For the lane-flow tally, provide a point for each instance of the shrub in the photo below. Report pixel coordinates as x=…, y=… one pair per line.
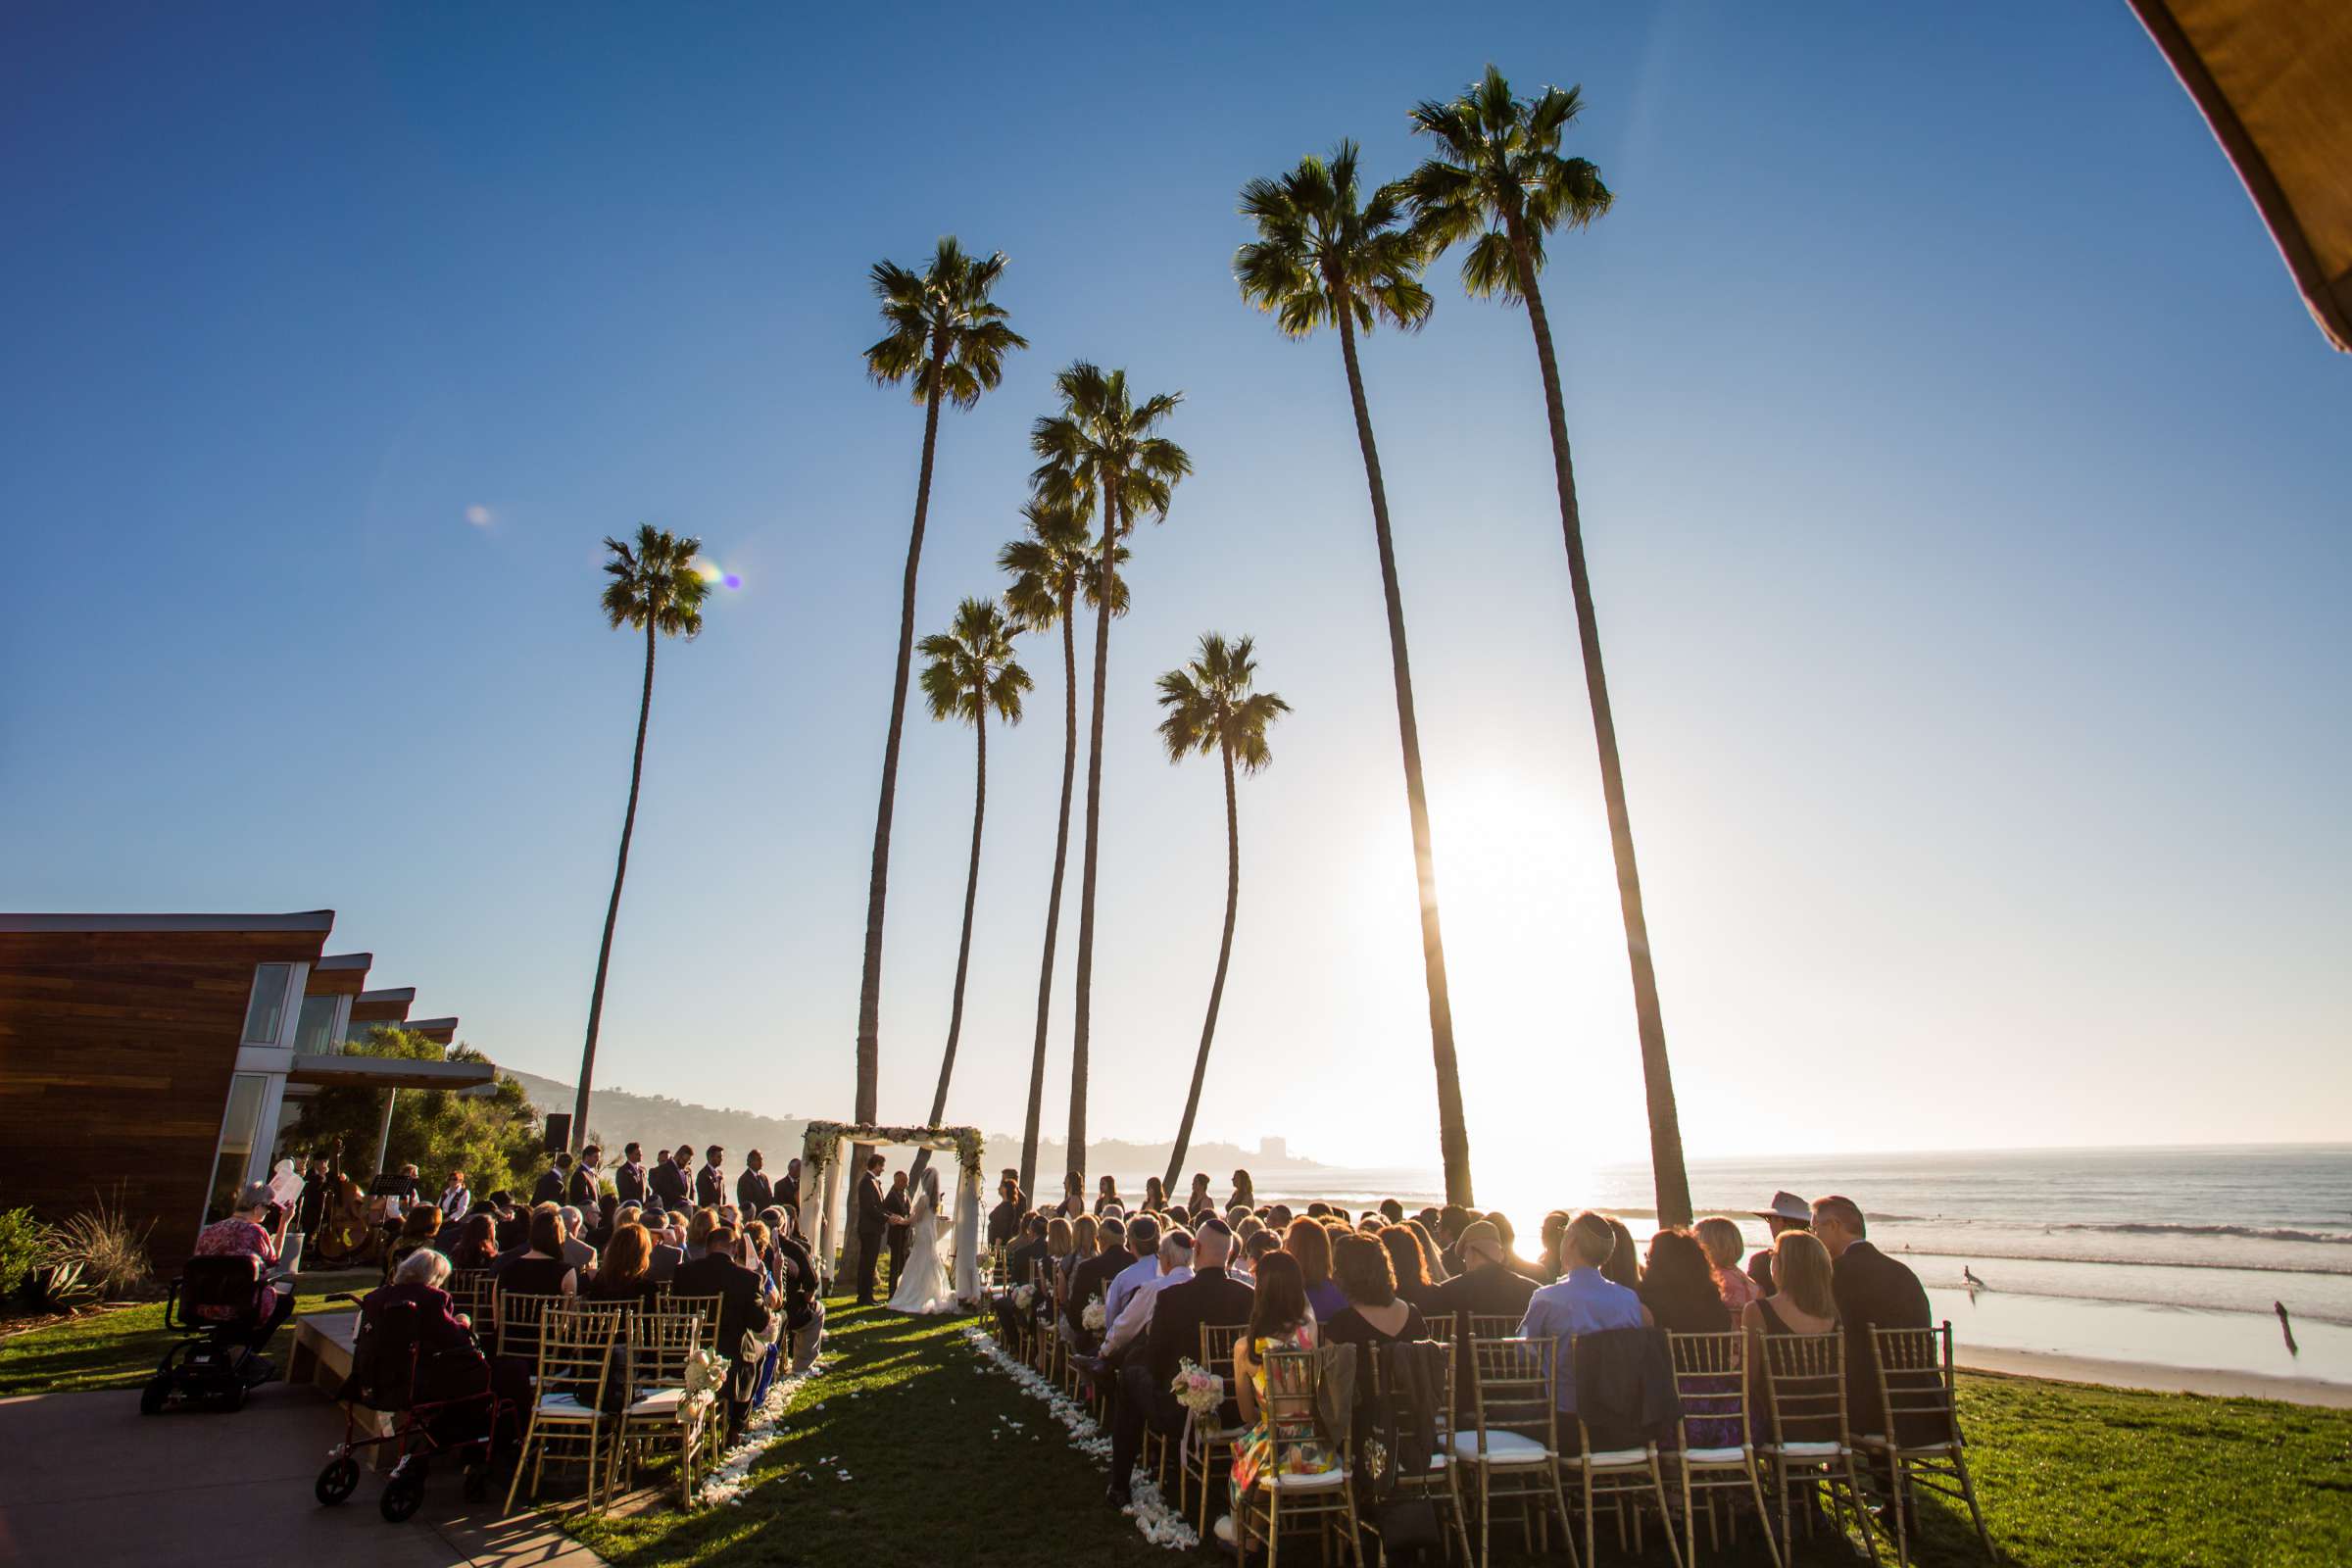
x=96, y=1255
x=20, y=1249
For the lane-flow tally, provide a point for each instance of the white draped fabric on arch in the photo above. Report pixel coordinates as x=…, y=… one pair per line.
x=820, y=1214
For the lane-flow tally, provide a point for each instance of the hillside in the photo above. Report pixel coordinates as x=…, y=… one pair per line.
x=616, y=1116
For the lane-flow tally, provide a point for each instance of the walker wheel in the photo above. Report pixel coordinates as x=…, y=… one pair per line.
x=477, y=1484
x=401, y=1497
x=155, y=1396
x=337, y=1481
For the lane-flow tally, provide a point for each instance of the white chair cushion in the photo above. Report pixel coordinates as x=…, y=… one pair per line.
x=661, y=1401
x=1806, y=1451
x=1310, y=1481
x=1502, y=1447
x=1714, y=1457
x=564, y=1407
x=1613, y=1459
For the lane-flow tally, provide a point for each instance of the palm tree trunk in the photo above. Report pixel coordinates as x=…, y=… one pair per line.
x=621, y=872
x=1665, y=1126
x=869, y=987
x=1085, y=987
x=963, y=950
x=1062, y=855
x=1453, y=1133
x=1216, y=988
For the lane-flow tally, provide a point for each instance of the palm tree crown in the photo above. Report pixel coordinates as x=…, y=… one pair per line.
x=1322, y=249
x=1499, y=179
x=657, y=580
x=1058, y=562
x=945, y=332
x=1101, y=446
x=1208, y=704
x=972, y=669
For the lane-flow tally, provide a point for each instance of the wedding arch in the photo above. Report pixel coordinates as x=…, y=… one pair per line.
x=821, y=1204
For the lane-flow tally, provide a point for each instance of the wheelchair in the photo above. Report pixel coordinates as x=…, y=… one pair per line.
x=211, y=1368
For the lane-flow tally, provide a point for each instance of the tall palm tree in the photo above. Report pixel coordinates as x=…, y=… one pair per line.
x=1209, y=706
x=655, y=588
x=972, y=672
x=948, y=340
x=1500, y=183
x=1326, y=256
x=1100, y=452
x=1051, y=568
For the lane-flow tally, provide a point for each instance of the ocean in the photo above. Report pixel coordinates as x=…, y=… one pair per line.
x=2175, y=1257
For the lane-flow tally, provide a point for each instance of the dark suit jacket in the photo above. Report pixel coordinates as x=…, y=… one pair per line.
x=665, y=1260
x=1020, y=1262
x=549, y=1188
x=1004, y=1222
x=753, y=1192
x=668, y=1183
x=1211, y=1297
x=709, y=1186
x=1873, y=1290
x=1093, y=1277
x=581, y=1193
x=787, y=1191
x=898, y=1204
x=741, y=1307
x=873, y=1217
x=628, y=1180
x=1490, y=1287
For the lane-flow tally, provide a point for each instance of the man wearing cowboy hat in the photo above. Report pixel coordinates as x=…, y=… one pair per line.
x=1788, y=1212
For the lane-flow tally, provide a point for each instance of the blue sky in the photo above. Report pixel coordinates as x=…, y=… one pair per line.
x=1964, y=483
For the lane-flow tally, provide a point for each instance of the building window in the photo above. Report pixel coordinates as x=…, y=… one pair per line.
x=237, y=1130
x=265, y=1014
x=314, y=1029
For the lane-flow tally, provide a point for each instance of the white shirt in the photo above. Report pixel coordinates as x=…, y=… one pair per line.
x=1136, y=1321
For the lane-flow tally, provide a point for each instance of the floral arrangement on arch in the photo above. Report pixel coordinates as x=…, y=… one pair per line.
x=823, y=1137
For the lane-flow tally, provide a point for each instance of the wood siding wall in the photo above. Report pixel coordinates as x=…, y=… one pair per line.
x=115, y=1053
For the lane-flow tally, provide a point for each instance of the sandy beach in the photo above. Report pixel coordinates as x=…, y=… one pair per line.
x=2151, y=1376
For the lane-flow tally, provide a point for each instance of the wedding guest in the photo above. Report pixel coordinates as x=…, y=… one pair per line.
x=1262, y=1244
x=1453, y=1220
x=581, y=1192
x=554, y=1181
x=1624, y=1264
x=1720, y=1235
x=1488, y=1286
x=477, y=1244
x=1280, y=1319
x=1278, y=1216
x=754, y=1191
x=1375, y=1315
x=1425, y=1232
x=1172, y=1262
x=804, y=1288
x=1392, y=1212
x=1198, y=1199
x=1004, y=1220
x=1582, y=1301
x=788, y=1191
x=742, y=1309
x=1548, y=1263
x=513, y=1223
x=1092, y=1278
x=1213, y=1297
x=1679, y=1285
x=576, y=1250
x=1143, y=1245
x=1245, y=1192
x=1155, y=1196
x=1073, y=1195
x=600, y=1231
x=668, y=1251
x=1806, y=1302
x=1034, y=1246
x=419, y=1229
x=1084, y=1243
x=627, y=1273
x=710, y=1182
x=1410, y=1268
x=1873, y=1292
x=456, y=1196
x=1310, y=1244
x=241, y=1233
x=540, y=1270
x=1787, y=1213
x=628, y=1180
x=1143, y=1397
x=1106, y=1196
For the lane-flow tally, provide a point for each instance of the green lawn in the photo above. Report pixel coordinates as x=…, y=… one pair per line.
x=118, y=1347
x=2068, y=1475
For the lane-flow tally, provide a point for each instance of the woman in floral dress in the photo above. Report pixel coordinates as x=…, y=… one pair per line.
x=1279, y=1320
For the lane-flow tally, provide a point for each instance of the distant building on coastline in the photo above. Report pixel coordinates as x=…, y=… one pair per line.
x=1273, y=1148
x=158, y=1057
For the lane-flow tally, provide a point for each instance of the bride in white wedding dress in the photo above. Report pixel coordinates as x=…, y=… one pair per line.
x=923, y=1286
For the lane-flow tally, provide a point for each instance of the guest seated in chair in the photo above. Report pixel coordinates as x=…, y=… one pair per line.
x=742, y=1309
x=243, y=1234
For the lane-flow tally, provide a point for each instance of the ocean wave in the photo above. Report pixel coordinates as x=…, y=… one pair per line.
x=1943, y=1246
x=2260, y=1232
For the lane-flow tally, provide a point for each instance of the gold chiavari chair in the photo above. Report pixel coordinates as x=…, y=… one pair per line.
x=474, y=1293
x=705, y=1307
x=1440, y=1484
x=1286, y=1492
x=1716, y=1456
x=1918, y=1438
x=1623, y=1477
x=575, y=1359
x=1208, y=1445
x=660, y=1346
x=1804, y=1393
x=518, y=1315
x=1491, y=1325
x=1514, y=1442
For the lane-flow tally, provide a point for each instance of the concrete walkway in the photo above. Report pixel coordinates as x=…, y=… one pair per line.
x=87, y=1482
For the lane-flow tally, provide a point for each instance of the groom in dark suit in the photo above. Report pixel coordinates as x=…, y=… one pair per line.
x=872, y=1220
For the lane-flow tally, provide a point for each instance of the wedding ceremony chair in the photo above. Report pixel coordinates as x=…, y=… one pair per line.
x=518, y=1317
x=1917, y=1436
x=660, y=1346
x=575, y=1357
x=1617, y=1462
x=1710, y=1380
x=1804, y=1393
x=1513, y=1444
x=1281, y=1499
x=1208, y=1448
